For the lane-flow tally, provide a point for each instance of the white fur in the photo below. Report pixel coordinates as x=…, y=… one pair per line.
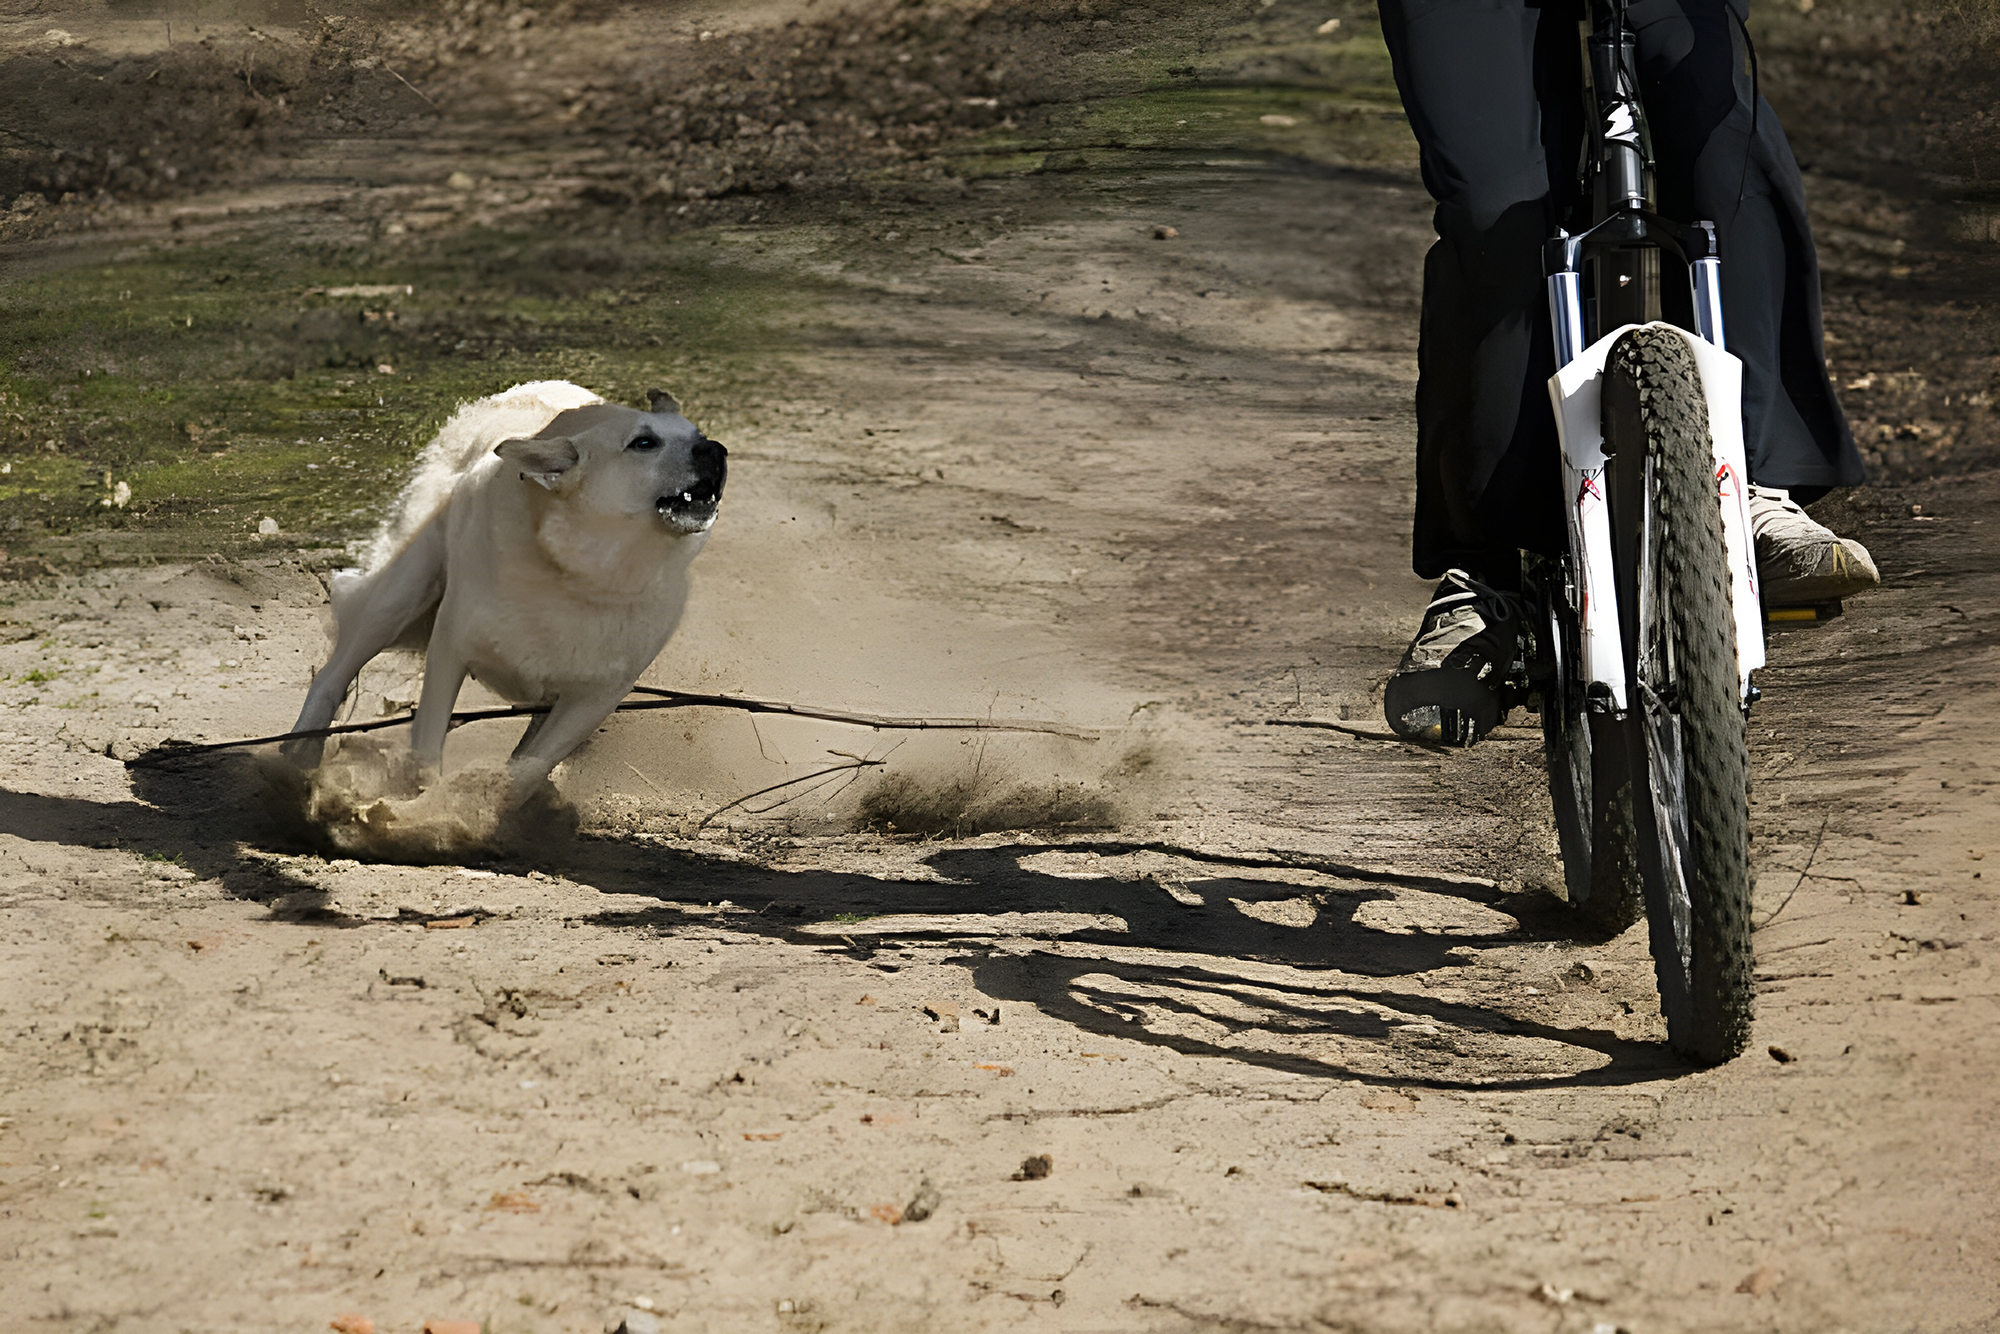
x=538, y=541
x=468, y=436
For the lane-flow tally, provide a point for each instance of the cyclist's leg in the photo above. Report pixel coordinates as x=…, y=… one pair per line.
x=1472, y=76
x=1723, y=155
x=1470, y=73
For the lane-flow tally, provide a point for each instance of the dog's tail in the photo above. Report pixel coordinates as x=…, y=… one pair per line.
x=466, y=438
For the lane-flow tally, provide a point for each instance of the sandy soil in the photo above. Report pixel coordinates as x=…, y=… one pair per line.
x=1222, y=1024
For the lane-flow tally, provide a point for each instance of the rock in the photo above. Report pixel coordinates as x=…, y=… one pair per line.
x=1760, y=1281
x=1781, y=1056
x=1582, y=972
x=267, y=527
x=924, y=1205
x=458, y=180
x=701, y=1167
x=451, y=1327
x=1328, y=28
x=1166, y=233
x=636, y=1322
x=351, y=1324
x=1035, y=1168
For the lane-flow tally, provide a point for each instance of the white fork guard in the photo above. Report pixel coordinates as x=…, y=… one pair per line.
x=1577, y=391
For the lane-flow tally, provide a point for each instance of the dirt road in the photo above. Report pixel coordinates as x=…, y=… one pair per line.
x=1216, y=1022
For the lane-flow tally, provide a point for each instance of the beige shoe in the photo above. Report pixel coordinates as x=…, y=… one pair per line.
x=1800, y=561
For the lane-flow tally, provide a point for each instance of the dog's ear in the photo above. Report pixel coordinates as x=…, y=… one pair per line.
x=547, y=463
x=662, y=401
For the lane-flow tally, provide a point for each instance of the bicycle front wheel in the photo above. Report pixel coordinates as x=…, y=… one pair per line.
x=1684, y=731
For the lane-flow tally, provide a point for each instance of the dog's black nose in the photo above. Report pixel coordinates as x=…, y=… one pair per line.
x=711, y=460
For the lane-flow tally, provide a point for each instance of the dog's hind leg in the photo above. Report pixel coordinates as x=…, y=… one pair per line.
x=371, y=618
x=535, y=723
x=553, y=735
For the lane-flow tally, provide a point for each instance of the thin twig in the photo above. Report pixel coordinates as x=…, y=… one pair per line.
x=411, y=86
x=1804, y=871
x=789, y=782
x=1362, y=732
x=656, y=699
x=863, y=719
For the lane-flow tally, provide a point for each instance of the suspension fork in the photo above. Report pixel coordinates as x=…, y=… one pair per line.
x=1585, y=464
x=1564, y=257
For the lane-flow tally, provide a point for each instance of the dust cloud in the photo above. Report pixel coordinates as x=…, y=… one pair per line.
x=364, y=800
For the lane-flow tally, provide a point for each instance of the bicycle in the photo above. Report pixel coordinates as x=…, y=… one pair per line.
x=1646, y=633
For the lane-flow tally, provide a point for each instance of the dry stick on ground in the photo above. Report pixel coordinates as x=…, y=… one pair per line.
x=657, y=699
x=412, y=87
x=1350, y=730
x=854, y=762
x=1804, y=871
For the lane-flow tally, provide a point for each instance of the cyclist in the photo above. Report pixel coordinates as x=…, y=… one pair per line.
x=1494, y=92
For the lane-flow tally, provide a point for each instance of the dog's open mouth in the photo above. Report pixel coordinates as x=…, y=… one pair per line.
x=692, y=510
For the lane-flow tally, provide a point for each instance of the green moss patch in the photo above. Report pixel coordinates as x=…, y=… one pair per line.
x=167, y=402
x=1328, y=101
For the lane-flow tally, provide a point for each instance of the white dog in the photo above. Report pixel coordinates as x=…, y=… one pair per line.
x=542, y=548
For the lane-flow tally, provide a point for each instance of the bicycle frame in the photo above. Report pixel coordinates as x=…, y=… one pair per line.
x=1623, y=248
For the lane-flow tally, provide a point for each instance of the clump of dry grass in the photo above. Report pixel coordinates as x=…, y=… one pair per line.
x=959, y=807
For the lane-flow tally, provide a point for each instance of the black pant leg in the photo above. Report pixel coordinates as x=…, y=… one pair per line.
x=1488, y=482
x=1722, y=155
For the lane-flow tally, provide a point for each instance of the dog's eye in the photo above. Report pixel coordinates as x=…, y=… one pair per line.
x=645, y=442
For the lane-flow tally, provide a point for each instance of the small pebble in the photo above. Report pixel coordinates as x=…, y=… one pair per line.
x=1035, y=1168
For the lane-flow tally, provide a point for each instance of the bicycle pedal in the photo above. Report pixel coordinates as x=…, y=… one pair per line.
x=1803, y=615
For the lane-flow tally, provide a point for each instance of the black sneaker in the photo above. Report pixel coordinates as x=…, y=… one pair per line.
x=1464, y=670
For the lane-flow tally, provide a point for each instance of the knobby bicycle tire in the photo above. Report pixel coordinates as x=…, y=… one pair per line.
x=1684, y=730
